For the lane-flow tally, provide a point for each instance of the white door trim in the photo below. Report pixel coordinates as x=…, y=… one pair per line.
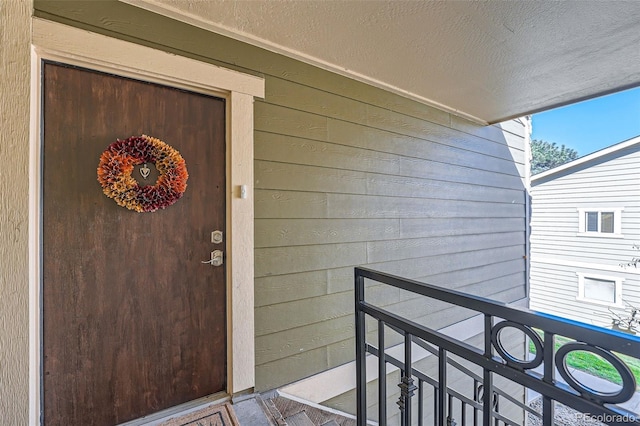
x=57, y=42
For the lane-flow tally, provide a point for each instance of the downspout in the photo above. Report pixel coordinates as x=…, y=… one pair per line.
x=527, y=204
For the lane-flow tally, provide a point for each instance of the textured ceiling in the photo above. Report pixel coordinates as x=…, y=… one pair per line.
x=488, y=61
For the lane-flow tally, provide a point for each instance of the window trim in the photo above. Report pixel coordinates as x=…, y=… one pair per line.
x=617, y=222
x=618, y=289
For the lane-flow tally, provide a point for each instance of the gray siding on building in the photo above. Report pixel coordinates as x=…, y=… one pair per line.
x=346, y=175
x=554, y=288
x=559, y=251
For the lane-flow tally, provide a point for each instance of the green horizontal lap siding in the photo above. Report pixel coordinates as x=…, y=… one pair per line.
x=347, y=175
x=376, y=185
x=443, y=164
x=276, y=175
x=420, y=197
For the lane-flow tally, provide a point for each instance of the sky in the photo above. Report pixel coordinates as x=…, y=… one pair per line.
x=591, y=125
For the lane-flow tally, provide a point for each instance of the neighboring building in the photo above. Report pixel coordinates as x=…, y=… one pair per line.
x=585, y=222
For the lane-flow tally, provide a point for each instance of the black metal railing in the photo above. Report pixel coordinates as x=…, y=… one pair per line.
x=449, y=406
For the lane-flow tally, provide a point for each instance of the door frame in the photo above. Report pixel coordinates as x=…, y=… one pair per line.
x=70, y=45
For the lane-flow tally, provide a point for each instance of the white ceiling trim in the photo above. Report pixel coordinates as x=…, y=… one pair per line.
x=197, y=21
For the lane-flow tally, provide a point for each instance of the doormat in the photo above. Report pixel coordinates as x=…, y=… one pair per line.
x=218, y=415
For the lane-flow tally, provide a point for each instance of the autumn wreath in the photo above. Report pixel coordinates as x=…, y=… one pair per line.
x=117, y=163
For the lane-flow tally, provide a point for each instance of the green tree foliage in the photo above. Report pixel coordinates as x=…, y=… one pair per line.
x=547, y=155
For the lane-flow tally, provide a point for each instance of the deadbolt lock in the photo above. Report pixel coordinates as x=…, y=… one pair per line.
x=216, y=237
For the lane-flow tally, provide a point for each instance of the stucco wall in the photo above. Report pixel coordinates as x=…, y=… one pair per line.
x=14, y=186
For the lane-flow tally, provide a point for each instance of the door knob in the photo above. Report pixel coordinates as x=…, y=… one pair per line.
x=217, y=258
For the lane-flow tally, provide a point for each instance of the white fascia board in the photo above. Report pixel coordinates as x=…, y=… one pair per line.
x=582, y=160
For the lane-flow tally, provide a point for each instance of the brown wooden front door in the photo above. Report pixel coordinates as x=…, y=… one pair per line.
x=133, y=321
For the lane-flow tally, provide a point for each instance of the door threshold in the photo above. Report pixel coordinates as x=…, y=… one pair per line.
x=179, y=410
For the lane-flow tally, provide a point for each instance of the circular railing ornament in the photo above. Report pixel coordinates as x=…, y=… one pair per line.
x=479, y=396
x=628, y=380
x=512, y=361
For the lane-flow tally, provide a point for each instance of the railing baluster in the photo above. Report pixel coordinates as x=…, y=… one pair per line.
x=547, y=403
x=442, y=386
x=407, y=388
x=361, y=335
x=400, y=401
x=435, y=405
x=487, y=385
x=420, y=402
x=475, y=417
x=475, y=398
x=486, y=398
x=382, y=375
x=463, y=413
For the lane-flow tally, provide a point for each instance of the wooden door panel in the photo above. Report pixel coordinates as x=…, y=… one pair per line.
x=133, y=321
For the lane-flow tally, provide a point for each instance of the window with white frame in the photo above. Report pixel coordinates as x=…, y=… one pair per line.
x=600, y=222
x=600, y=289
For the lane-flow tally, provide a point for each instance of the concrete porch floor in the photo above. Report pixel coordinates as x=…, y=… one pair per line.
x=273, y=409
